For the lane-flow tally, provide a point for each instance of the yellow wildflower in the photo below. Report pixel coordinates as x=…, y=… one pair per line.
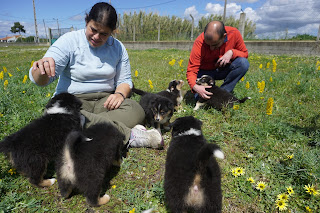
x=274, y=64
x=238, y=171
x=308, y=209
x=32, y=63
x=180, y=62
x=18, y=69
x=281, y=205
x=247, y=85
x=260, y=66
x=318, y=68
x=1, y=115
x=48, y=95
x=24, y=79
x=271, y=79
x=250, y=179
x=283, y=197
x=5, y=84
x=290, y=190
x=132, y=211
x=10, y=75
x=1, y=75
x=261, y=86
x=172, y=62
x=136, y=73
x=290, y=156
x=12, y=171
x=261, y=185
x=114, y=186
x=298, y=83
x=269, y=106
x=5, y=69
x=236, y=107
x=268, y=65
x=242, y=79
x=311, y=190
x=150, y=84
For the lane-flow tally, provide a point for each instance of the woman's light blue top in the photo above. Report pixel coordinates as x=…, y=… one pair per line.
x=85, y=69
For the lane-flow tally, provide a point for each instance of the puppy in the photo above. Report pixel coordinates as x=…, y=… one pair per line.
x=192, y=179
x=158, y=109
x=34, y=146
x=85, y=160
x=219, y=99
x=174, y=92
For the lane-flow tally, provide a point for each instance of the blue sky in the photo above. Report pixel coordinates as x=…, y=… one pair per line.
x=273, y=18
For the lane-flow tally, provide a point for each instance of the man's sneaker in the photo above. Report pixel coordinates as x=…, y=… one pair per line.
x=141, y=137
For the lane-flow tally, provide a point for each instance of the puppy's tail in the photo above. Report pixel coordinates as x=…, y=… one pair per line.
x=244, y=99
x=139, y=91
x=206, y=152
x=74, y=138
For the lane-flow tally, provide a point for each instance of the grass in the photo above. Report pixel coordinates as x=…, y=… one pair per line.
x=281, y=149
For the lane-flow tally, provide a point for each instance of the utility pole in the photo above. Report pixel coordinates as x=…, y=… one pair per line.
x=192, y=25
x=224, y=11
x=35, y=23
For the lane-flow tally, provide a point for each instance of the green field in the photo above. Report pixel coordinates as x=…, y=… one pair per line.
x=275, y=148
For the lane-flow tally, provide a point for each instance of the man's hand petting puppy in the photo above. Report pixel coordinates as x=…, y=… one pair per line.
x=201, y=90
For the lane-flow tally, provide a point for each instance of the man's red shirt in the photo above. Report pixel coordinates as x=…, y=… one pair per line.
x=201, y=57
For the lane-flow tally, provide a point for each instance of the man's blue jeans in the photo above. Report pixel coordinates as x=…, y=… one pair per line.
x=231, y=73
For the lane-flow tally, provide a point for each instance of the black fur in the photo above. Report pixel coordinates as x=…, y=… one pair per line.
x=173, y=92
x=88, y=157
x=220, y=98
x=158, y=109
x=191, y=166
x=34, y=146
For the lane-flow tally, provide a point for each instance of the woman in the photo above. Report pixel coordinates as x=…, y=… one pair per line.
x=95, y=67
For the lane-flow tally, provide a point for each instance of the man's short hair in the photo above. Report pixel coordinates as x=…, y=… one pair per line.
x=220, y=30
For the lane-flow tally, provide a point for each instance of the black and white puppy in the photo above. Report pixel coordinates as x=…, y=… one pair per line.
x=219, y=99
x=174, y=92
x=87, y=158
x=158, y=109
x=31, y=148
x=192, y=179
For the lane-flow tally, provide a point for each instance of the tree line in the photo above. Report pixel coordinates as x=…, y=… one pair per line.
x=145, y=27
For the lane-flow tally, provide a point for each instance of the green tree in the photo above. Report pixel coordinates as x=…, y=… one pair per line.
x=17, y=27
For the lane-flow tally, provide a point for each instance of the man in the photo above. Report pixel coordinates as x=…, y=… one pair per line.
x=219, y=52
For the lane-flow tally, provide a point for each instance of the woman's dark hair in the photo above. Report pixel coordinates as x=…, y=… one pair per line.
x=103, y=13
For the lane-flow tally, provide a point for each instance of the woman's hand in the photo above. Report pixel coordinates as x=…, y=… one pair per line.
x=45, y=66
x=114, y=101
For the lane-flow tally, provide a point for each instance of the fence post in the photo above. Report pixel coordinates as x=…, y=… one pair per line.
x=134, y=32
x=192, y=25
x=242, y=23
x=50, y=35
x=159, y=32
x=318, y=33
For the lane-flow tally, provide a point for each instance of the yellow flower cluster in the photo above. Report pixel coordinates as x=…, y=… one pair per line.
x=150, y=84
x=261, y=86
x=132, y=211
x=270, y=106
x=247, y=85
x=180, y=62
x=261, y=185
x=24, y=79
x=172, y=62
x=12, y=171
x=274, y=65
x=282, y=199
x=236, y=107
x=136, y=73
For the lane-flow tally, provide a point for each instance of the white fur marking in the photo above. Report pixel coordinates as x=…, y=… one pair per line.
x=191, y=131
x=198, y=105
x=148, y=211
x=88, y=139
x=67, y=170
x=52, y=180
x=218, y=154
x=249, y=97
x=56, y=109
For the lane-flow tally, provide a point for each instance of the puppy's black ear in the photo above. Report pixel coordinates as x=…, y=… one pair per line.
x=211, y=82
